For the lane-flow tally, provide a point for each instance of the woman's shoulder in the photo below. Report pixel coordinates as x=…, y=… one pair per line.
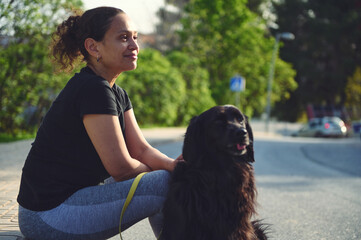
x=87, y=74
x=122, y=95
x=120, y=91
x=118, y=88
x=85, y=78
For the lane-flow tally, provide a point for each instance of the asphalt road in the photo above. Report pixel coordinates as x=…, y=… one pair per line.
x=307, y=188
x=310, y=188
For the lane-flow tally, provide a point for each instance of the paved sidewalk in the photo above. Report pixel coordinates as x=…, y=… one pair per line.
x=12, y=157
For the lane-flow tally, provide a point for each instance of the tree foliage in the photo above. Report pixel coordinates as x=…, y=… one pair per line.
x=353, y=93
x=27, y=82
x=25, y=18
x=156, y=89
x=325, y=52
x=167, y=38
x=198, y=95
x=228, y=38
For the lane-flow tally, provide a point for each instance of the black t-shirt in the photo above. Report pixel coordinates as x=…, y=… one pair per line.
x=62, y=158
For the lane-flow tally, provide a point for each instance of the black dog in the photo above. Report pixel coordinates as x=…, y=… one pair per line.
x=212, y=193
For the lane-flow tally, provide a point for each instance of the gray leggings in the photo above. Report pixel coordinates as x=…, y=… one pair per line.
x=94, y=212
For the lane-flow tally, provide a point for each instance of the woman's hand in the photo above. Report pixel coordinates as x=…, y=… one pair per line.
x=176, y=161
x=180, y=158
x=141, y=150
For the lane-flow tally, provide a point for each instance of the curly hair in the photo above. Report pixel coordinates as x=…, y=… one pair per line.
x=69, y=37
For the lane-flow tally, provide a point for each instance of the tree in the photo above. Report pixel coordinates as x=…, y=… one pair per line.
x=228, y=39
x=156, y=89
x=198, y=95
x=22, y=18
x=353, y=93
x=26, y=87
x=325, y=52
x=27, y=82
x=166, y=37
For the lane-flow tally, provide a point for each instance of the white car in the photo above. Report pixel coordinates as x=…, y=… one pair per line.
x=323, y=127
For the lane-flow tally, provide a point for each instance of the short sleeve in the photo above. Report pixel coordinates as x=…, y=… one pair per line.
x=127, y=102
x=97, y=98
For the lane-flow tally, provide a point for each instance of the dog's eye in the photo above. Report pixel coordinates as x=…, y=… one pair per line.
x=240, y=120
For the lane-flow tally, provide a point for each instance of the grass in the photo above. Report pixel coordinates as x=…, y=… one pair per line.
x=4, y=137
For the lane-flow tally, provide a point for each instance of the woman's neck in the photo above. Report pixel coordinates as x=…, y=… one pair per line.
x=107, y=75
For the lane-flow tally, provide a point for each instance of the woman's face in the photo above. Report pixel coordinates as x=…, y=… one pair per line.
x=119, y=48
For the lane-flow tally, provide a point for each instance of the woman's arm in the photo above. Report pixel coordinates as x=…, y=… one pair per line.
x=107, y=138
x=140, y=149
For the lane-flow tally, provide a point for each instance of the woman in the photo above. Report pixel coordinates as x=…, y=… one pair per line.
x=90, y=133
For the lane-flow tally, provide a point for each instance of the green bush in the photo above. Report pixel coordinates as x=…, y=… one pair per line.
x=198, y=95
x=156, y=89
x=28, y=86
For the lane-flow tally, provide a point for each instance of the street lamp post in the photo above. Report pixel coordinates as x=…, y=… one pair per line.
x=279, y=36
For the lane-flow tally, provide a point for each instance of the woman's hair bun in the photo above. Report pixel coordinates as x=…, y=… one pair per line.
x=69, y=37
x=66, y=43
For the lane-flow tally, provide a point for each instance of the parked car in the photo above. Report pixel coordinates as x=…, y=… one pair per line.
x=323, y=127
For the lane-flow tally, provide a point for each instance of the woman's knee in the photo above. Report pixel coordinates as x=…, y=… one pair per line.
x=157, y=182
x=160, y=176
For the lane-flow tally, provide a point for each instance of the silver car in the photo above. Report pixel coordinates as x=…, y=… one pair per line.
x=323, y=127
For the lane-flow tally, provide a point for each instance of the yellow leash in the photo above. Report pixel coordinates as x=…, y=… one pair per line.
x=129, y=199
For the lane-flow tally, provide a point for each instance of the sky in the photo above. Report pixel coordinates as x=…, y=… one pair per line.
x=142, y=12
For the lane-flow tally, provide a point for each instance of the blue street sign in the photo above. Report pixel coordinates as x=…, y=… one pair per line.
x=238, y=84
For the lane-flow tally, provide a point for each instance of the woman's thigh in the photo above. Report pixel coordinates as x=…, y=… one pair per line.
x=94, y=212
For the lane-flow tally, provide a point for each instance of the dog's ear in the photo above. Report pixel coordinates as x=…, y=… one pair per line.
x=250, y=149
x=192, y=141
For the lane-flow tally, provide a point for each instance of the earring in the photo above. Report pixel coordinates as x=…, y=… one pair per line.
x=98, y=58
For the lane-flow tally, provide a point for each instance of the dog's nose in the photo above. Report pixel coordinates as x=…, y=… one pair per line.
x=242, y=132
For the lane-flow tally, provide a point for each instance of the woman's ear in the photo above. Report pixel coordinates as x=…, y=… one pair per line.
x=92, y=47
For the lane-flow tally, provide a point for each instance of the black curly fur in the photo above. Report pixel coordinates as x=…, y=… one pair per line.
x=212, y=193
